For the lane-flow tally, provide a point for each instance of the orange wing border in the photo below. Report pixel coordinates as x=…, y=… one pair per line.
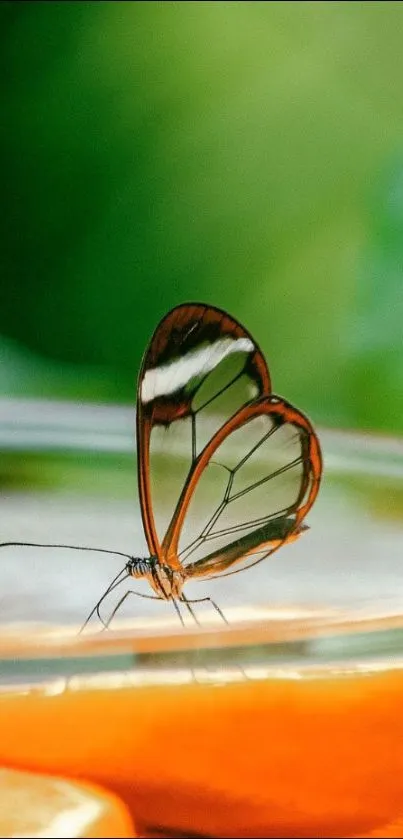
x=312, y=460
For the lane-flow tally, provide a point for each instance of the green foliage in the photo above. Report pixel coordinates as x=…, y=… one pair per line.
x=240, y=153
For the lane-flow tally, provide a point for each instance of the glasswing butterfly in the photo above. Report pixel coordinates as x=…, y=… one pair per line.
x=236, y=467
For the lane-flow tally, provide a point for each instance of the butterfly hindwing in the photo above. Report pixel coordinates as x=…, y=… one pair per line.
x=271, y=463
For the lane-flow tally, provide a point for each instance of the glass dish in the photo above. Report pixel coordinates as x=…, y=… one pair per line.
x=284, y=722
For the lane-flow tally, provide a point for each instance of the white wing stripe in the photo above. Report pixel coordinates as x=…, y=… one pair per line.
x=173, y=376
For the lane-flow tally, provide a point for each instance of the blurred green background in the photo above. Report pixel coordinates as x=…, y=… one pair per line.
x=246, y=154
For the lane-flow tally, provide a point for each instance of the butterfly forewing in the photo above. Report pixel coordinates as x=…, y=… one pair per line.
x=200, y=368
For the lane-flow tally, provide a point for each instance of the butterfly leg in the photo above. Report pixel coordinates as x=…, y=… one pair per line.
x=184, y=600
x=189, y=608
x=120, y=603
x=177, y=610
x=115, y=582
x=204, y=600
x=217, y=608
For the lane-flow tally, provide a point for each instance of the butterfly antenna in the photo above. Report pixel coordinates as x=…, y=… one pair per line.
x=68, y=547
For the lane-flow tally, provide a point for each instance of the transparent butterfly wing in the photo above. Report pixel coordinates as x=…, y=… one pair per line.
x=200, y=368
x=257, y=483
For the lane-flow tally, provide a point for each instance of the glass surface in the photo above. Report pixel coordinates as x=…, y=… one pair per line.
x=306, y=676
x=68, y=475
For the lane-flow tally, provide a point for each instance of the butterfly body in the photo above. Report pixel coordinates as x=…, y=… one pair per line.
x=203, y=370
x=165, y=581
x=247, y=464
x=168, y=581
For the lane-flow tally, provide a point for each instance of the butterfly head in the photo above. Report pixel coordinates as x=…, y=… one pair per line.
x=141, y=566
